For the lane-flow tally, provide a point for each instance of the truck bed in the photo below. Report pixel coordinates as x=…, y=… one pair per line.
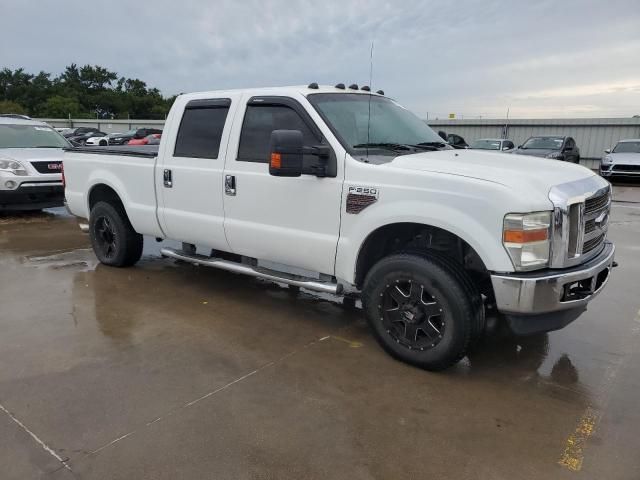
x=126, y=150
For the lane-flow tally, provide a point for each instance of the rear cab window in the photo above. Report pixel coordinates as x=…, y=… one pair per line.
x=201, y=128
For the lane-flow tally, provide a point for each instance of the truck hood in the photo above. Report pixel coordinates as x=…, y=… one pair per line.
x=523, y=173
x=625, y=158
x=31, y=154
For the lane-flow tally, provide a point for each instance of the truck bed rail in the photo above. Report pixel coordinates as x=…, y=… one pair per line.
x=148, y=151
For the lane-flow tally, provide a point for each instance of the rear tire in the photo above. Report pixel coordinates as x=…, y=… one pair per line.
x=113, y=239
x=423, y=309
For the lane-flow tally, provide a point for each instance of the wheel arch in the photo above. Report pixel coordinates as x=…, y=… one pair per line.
x=406, y=236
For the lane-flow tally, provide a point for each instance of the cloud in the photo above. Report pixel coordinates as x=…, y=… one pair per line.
x=468, y=57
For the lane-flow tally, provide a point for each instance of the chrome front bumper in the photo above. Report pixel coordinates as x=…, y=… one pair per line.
x=535, y=293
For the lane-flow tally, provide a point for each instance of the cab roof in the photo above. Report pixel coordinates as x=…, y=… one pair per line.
x=284, y=91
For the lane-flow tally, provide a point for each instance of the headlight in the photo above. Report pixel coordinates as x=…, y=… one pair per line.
x=526, y=236
x=12, y=166
x=554, y=155
x=607, y=159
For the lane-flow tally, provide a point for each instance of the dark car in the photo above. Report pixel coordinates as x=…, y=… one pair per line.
x=81, y=138
x=557, y=147
x=137, y=133
x=456, y=141
x=74, y=132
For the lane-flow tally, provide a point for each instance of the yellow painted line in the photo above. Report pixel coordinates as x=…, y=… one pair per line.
x=351, y=343
x=573, y=454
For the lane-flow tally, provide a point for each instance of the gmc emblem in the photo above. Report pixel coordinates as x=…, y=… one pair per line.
x=54, y=166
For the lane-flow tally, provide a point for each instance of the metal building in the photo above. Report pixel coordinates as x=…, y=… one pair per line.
x=592, y=135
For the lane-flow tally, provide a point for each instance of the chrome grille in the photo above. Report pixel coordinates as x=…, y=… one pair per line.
x=596, y=218
x=593, y=243
x=580, y=216
x=596, y=203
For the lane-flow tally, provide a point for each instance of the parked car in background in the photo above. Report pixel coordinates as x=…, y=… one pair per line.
x=138, y=133
x=498, y=144
x=623, y=160
x=551, y=146
x=100, y=140
x=82, y=138
x=77, y=131
x=456, y=141
x=153, y=139
x=30, y=165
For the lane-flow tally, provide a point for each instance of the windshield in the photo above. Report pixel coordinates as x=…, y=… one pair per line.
x=486, y=144
x=30, y=136
x=348, y=116
x=544, y=143
x=627, y=147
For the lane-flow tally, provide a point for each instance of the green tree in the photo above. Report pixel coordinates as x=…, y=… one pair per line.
x=7, y=106
x=87, y=91
x=61, y=107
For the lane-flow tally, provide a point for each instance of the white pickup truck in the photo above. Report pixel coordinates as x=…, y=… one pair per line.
x=342, y=190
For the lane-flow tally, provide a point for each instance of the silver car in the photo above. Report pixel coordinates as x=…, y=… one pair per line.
x=30, y=165
x=623, y=160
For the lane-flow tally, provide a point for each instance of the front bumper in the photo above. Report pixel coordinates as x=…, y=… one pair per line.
x=32, y=196
x=548, y=300
x=618, y=170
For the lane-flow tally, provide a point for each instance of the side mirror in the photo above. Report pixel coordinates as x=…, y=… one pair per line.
x=285, y=153
x=519, y=147
x=608, y=150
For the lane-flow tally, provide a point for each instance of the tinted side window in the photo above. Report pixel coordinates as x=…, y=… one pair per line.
x=200, y=132
x=259, y=122
x=508, y=145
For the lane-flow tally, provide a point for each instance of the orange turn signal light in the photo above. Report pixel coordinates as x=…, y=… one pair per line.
x=525, y=236
x=276, y=160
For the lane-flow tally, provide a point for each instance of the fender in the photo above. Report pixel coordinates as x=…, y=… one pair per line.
x=483, y=240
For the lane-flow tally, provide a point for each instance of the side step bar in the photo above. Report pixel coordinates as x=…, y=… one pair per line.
x=264, y=273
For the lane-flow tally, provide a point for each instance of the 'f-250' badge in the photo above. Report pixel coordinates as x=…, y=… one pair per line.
x=360, y=198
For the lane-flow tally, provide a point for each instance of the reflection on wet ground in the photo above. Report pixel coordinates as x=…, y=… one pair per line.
x=169, y=370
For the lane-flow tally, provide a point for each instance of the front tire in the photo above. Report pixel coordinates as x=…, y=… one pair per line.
x=422, y=309
x=113, y=239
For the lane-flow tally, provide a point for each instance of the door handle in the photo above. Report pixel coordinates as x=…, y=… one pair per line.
x=230, y=185
x=168, y=178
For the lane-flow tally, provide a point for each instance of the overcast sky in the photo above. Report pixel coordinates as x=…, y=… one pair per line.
x=557, y=58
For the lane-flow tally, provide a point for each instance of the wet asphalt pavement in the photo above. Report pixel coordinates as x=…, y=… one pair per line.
x=167, y=371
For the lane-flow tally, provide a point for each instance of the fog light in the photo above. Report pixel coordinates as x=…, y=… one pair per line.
x=10, y=184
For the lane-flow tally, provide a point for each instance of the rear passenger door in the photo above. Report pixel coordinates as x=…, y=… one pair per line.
x=189, y=180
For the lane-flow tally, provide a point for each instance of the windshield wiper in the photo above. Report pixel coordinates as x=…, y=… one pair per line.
x=388, y=146
x=431, y=144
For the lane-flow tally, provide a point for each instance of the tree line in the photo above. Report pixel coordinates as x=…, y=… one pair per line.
x=80, y=92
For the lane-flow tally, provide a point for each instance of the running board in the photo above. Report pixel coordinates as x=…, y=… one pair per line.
x=264, y=273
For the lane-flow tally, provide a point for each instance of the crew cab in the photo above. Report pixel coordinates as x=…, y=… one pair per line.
x=30, y=165
x=342, y=190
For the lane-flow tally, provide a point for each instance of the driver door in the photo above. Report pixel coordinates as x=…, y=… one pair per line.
x=293, y=221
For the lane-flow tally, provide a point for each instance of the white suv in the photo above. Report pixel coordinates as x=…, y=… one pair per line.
x=30, y=165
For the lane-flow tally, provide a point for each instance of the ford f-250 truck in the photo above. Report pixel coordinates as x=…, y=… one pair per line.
x=342, y=190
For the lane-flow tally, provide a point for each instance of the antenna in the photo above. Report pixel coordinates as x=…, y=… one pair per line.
x=370, y=95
